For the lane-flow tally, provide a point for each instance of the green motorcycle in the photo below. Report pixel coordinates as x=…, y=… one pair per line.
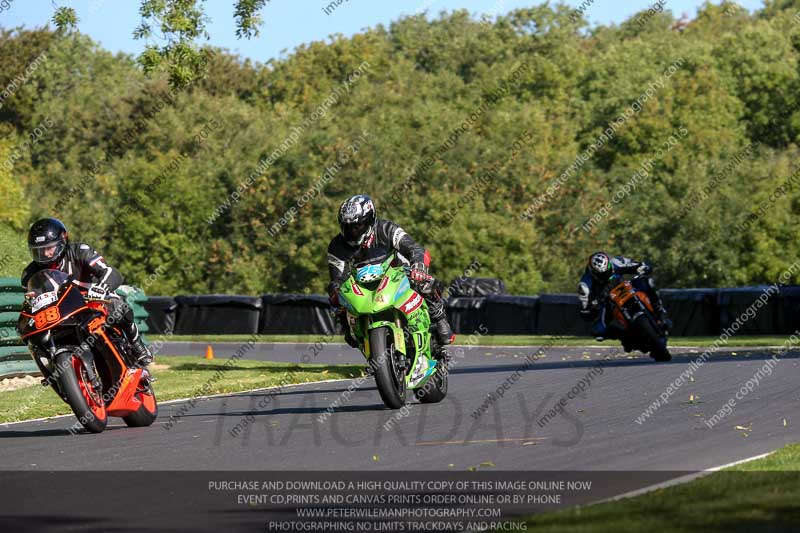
x=391, y=323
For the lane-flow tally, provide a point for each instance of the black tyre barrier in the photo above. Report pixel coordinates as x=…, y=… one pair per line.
x=161, y=314
x=296, y=314
x=217, y=313
x=694, y=312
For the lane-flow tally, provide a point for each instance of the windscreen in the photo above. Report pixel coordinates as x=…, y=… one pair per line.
x=43, y=288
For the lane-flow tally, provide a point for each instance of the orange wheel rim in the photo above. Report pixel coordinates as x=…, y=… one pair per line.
x=92, y=397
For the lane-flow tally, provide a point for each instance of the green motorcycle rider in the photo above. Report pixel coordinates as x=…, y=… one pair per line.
x=365, y=239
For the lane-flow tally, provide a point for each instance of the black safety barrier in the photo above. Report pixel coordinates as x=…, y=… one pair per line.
x=740, y=311
x=511, y=315
x=161, y=314
x=217, y=313
x=296, y=314
x=466, y=287
x=789, y=316
x=694, y=312
x=465, y=314
x=558, y=315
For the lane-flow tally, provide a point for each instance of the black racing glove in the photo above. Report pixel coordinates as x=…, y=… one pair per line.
x=333, y=295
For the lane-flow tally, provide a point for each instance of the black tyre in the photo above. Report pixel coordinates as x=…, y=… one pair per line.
x=147, y=412
x=435, y=389
x=85, y=401
x=389, y=379
x=654, y=341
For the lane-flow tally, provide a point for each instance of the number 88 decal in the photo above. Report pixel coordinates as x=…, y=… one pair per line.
x=47, y=316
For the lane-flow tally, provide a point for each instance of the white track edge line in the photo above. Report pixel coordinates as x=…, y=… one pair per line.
x=680, y=480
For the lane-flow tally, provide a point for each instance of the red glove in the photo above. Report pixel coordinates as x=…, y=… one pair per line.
x=419, y=272
x=419, y=276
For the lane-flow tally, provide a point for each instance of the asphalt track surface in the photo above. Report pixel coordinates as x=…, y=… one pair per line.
x=54, y=480
x=291, y=429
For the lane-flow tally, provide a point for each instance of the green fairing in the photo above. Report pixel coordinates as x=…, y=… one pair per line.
x=395, y=293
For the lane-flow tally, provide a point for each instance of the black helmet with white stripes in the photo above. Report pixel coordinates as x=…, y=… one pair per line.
x=357, y=220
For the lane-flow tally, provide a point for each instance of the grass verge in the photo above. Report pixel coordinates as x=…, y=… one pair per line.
x=490, y=340
x=758, y=495
x=182, y=377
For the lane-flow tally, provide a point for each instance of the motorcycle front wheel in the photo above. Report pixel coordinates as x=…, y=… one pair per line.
x=86, y=402
x=389, y=379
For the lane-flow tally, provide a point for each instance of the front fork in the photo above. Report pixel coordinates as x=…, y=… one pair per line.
x=87, y=357
x=641, y=309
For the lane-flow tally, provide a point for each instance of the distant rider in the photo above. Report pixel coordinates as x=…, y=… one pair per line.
x=366, y=239
x=48, y=242
x=601, y=273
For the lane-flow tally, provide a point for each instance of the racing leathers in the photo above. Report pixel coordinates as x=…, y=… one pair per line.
x=388, y=237
x=100, y=281
x=593, y=296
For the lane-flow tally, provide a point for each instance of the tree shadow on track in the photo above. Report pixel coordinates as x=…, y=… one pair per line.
x=337, y=390
x=11, y=434
x=640, y=360
x=307, y=409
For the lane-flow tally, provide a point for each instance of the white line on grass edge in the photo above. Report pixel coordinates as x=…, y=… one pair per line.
x=679, y=480
x=671, y=482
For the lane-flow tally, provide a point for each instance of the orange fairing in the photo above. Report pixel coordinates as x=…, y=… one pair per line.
x=94, y=304
x=619, y=295
x=49, y=325
x=646, y=301
x=50, y=317
x=113, y=349
x=96, y=324
x=126, y=400
x=622, y=293
x=149, y=402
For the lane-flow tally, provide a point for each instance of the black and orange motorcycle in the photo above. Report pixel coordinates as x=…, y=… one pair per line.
x=632, y=310
x=82, y=355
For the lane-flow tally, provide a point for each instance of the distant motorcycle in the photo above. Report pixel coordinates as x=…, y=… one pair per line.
x=83, y=356
x=633, y=311
x=391, y=322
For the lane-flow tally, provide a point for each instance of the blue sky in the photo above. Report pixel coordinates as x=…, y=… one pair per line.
x=289, y=23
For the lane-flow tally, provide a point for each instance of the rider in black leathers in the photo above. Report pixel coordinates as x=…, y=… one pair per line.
x=366, y=239
x=49, y=245
x=597, y=278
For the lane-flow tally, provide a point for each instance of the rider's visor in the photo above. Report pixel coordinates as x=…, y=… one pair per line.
x=353, y=232
x=45, y=253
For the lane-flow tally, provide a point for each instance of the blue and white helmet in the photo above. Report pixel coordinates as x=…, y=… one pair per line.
x=357, y=220
x=601, y=266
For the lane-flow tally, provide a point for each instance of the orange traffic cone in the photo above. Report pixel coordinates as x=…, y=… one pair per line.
x=209, y=352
